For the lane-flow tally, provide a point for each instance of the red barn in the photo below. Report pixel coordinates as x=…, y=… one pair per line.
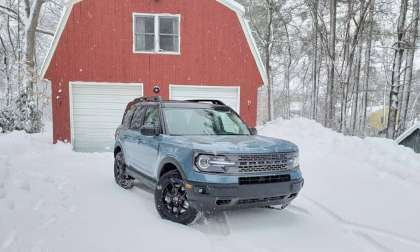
x=107, y=52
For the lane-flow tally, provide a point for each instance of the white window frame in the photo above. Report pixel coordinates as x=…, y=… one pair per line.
x=157, y=36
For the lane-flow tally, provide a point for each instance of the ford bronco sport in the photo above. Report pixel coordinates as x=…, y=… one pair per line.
x=199, y=156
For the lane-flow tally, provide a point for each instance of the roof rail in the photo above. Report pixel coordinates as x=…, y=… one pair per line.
x=147, y=99
x=215, y=102
x=143, y=99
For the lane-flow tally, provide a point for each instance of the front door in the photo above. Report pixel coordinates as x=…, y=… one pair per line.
x=149, y=146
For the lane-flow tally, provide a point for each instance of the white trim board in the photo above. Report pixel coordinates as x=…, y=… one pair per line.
x=231, y=4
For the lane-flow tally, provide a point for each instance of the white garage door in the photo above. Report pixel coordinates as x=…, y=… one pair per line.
x=229, y=95
x=96, y=112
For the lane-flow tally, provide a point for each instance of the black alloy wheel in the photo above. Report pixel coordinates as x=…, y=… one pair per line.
x=120, y=174
x=171, y=199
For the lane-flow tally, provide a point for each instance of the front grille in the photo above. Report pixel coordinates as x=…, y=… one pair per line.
x=264, y=162
x=264, y=180
x=253, y=201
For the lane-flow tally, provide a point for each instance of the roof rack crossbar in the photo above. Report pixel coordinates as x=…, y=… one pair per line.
x=215, y=102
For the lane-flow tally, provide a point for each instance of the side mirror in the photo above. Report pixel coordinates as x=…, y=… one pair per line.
x=149, y=131
x=253, y=131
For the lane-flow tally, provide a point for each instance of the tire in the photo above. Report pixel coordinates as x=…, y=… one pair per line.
x=171, y=199
x=120, y=174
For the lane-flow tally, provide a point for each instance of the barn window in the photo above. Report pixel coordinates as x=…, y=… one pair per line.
x=156, y=33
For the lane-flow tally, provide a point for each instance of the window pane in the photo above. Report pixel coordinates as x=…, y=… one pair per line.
x=145, y=25
x=128, y=117
x=145, y=42
x=169, y=43
x=137, y=118
x=151, y=119
x=168, y=25
x=145, y=34
x=169, y=34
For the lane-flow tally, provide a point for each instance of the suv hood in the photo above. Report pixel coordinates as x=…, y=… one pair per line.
x=237, y=144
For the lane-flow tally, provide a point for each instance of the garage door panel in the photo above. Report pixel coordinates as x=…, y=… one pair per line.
x=105, y=89
x=97, y=125
x=229, y=95
x=102, y=98
x=89, y=114
x=97, y=103
x=97, y=111
x=88, y=136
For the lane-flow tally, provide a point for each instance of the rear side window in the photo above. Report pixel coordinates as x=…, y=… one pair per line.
x=127, y=118
x=136, y=122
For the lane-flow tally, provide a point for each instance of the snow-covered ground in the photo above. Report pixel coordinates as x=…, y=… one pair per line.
x=359, y=195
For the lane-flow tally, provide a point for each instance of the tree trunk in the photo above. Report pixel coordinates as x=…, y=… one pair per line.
x=410, y=61
x=30, y=116
x=30, y=43
x=355, y=112
x=367, y=66
x=396, y=71
x=314, y=97
x=330, y=96
x=268, y=52
x=287, y=72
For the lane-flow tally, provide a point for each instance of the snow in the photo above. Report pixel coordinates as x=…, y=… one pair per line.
x=359, y=195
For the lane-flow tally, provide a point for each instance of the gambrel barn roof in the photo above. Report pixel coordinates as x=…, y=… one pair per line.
x=231, y=4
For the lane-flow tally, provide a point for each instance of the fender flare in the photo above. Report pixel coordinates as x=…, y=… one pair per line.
x=173, y=161
x=116, y=146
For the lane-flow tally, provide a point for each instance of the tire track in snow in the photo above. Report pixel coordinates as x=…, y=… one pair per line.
x=9, y=240
x=362, y=228
x=214, y=224
x=372, y=241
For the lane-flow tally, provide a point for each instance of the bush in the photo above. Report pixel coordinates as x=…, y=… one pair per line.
x=28, y=116
x=8, y=119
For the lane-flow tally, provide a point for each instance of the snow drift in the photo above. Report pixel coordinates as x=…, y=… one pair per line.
x=359, y=195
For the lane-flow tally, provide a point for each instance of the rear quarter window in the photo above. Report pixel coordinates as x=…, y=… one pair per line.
x=136, y=122
x=127, y=118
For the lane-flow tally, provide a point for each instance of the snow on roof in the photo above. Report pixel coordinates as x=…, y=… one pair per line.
x=408, y=132
x=231, y=4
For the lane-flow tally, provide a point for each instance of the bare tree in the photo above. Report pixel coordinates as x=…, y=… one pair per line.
x=396, y=71
x=409, y=65
x=330, y=96
x=23, y=38
x=315, y=63
x=264, y=30
x=367, y=70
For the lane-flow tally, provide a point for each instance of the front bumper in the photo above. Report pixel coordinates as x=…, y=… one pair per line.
x=214, y=197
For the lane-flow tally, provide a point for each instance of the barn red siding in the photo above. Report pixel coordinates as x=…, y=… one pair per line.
x=97, y=46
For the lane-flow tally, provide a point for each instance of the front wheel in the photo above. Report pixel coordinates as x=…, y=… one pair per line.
x=171, y=199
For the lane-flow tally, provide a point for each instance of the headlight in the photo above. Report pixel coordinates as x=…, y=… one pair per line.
x=295, y=161
x=210, y=163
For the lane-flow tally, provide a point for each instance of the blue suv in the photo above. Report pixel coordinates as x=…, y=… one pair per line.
x=199, y=156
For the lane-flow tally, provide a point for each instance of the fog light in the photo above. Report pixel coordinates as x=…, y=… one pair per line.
x=188, y=186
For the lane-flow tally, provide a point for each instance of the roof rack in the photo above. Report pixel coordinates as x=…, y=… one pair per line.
x=215, y=102
x=147, y=99
x=143, y=99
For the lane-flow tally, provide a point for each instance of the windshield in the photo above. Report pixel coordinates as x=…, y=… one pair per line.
x=203, y=121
